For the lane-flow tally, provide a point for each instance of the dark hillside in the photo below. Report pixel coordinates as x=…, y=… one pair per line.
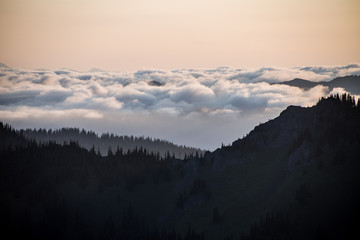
x=302, y=166
x=10, y=139
x=294, y=177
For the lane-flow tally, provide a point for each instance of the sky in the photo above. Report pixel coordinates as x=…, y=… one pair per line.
x=215, y=60
x=129, y=35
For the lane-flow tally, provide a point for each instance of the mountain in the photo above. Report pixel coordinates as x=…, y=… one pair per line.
x=300, y=83
x=68, y=69
x=96, y=70
x=349, y=83
x=3, y=65
x=109, y=142
x=293, y=177
x=302, y=166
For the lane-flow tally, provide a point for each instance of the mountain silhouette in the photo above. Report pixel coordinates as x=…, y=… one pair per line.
x=301, y=83
x=349, y=83
x=293, y=177
x=3, y=65
x=96, y=70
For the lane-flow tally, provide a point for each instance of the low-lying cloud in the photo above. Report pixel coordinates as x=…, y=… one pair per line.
x=199, y=107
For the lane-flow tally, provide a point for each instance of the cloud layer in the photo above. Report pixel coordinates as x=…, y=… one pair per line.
x=199, y=107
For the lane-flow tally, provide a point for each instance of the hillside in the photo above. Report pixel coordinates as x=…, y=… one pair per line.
x=106, y=142
x=298, y=164
x=294, y=177
x=349, y=83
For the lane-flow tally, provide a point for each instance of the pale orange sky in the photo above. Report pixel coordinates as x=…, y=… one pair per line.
x=135, y=34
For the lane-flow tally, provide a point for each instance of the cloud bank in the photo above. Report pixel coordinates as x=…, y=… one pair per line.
x=198, y=107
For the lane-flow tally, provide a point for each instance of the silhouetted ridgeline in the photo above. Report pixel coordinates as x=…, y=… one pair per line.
x=294, y=177
x=89, y=139
x=349, y=83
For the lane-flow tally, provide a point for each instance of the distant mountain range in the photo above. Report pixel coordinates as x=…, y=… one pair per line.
x=349, y=83
x=96, y=70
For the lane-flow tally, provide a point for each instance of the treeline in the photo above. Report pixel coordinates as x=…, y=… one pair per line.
x=10, y=139
x=34, y=176
x=345, y=99
x=55, y=164
x=89, y=139
x=34, y=179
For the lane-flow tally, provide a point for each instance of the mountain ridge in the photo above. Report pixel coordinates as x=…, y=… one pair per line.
x=292, y=123
x=350, y=83
x=109, y=142
x=304, y=148
x=2, y=65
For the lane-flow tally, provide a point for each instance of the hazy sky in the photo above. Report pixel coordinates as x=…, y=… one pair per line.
x=135, y=34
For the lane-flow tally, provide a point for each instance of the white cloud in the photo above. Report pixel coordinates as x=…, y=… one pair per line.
x=200, y=107
x=35, y=113
x=107, y=102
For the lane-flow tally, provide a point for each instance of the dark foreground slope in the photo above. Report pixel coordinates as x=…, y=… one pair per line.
x=302, y=167
x=294, y=177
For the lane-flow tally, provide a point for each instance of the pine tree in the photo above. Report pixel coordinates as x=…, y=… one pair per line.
x=110, y=153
